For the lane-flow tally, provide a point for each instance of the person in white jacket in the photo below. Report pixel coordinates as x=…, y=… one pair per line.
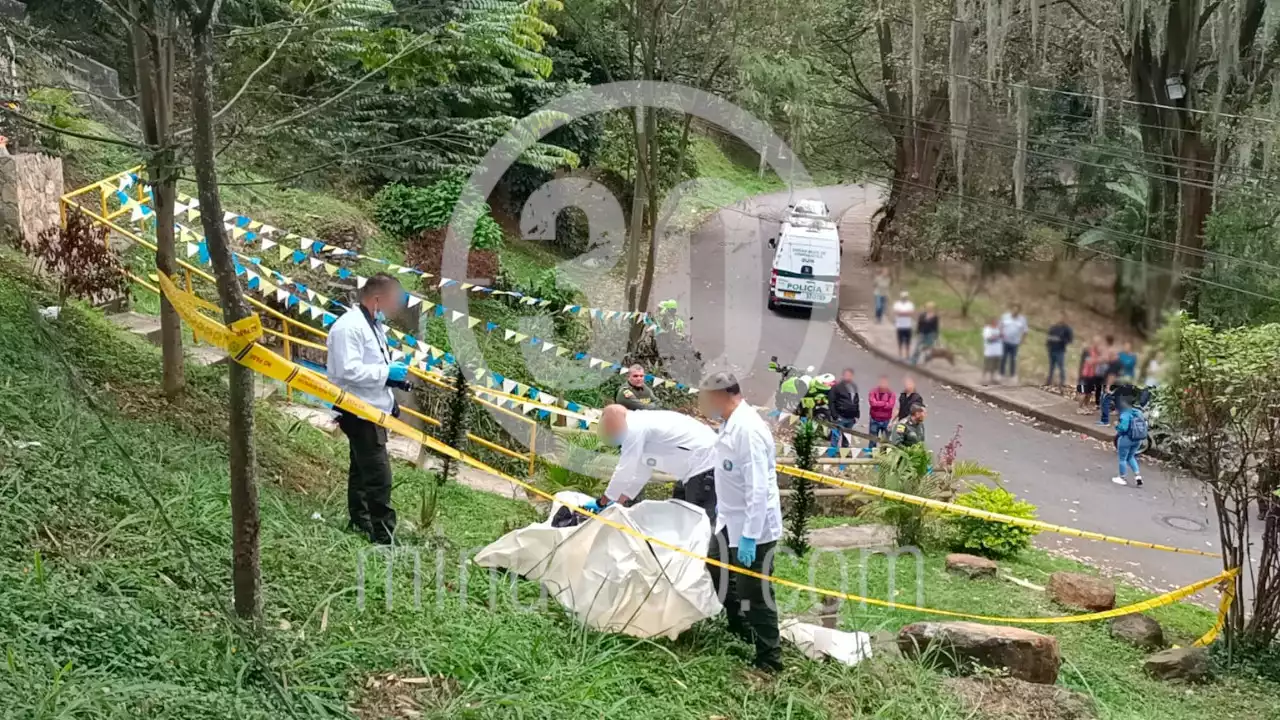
x=748, y=515
x=659, y=441
x=360, y=363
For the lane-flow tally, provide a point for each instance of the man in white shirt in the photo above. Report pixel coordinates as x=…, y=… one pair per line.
x=904, y=317
x=1013, y=328
x=659, y=441
x=360, y=363
x=992, y=350
x=749, y=515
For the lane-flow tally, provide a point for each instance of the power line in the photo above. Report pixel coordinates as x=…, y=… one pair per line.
x=972, y=131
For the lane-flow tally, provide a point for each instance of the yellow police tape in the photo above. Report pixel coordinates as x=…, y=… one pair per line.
x=982, y=514
x=240, y=341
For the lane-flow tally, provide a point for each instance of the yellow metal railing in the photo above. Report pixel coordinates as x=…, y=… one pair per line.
x=304, y=336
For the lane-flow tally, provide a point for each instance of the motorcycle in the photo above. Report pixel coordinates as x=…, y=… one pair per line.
x=806, y=393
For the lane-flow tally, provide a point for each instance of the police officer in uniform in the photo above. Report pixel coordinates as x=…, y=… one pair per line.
x=910, y=431
x=659, y=440
x=360, y=363
x=748, y=517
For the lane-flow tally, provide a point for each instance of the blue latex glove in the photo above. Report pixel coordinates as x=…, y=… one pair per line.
x=592, y=506
x=746, y=551
x=397, y=372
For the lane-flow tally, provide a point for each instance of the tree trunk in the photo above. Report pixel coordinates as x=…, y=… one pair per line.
x=245, y=572
x=153, y=39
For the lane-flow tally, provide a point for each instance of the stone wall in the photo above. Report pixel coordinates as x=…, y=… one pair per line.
x=30, y=187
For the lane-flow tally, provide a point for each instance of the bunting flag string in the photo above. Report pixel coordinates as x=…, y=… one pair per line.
x=299, y=249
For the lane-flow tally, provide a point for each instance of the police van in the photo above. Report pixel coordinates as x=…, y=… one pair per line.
x=806, y=264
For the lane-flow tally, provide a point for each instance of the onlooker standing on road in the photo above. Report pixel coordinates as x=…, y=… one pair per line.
x=1151, y=378
x=1110, y=375
x=1013, y=328
x=1131, y=430
x=904, y=312
x=1128, y=363
x=909, y=397
x=880, y=289
x=844, y=402
x=634, y=394
x=1090, y=362
x=992, y=351
x=927, y=329
x=880, y=402
x=1059, y=337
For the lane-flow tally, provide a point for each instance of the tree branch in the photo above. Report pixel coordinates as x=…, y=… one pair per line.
x=262, y=66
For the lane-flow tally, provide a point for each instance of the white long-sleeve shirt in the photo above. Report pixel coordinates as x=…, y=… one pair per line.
x=747, y=501
x=359, y=359
x=660, y=440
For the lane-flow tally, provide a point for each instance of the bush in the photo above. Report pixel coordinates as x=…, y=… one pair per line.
x=907, y=470
x=406, y=211
x=987, y=538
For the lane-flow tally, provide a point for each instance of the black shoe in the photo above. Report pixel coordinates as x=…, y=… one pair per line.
x=362, y=528
x=1137, y=480
x=772, y=667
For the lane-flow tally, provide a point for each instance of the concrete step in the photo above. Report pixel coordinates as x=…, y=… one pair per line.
x=144, y=326
x=205, y=355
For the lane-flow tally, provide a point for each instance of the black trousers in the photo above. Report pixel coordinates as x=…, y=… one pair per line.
x=699, y=490
x=749, y=604
x=369, y=479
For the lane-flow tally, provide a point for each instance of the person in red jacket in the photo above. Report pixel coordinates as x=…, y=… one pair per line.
x=881, y=400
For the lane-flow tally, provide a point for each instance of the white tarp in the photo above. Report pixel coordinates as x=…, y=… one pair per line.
x=614, y=581
x=817, y=642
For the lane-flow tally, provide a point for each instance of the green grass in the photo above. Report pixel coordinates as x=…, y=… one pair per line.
x=106, y=616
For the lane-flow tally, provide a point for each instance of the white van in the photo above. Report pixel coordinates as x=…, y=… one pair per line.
x=801, y=210
x=806, y=264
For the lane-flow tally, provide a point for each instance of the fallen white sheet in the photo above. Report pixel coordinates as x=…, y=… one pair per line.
x=816, y=642
x=611, y=580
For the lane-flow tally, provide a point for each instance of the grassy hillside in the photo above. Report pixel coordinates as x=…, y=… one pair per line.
x=114, y=576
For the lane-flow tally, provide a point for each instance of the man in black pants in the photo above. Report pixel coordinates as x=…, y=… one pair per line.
x=360, y=363
x=748, y=516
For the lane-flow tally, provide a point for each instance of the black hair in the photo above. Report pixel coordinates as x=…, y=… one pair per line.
x=734, y=389
x=377, y=283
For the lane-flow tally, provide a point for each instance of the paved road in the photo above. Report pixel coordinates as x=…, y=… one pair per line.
x=1066, y=476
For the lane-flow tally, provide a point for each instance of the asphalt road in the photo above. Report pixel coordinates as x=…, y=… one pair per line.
x=1066, y=476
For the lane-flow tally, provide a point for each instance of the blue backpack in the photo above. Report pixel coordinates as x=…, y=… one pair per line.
x=1138, y=426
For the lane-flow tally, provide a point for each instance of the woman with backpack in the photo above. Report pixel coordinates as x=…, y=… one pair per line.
x=1131, y=430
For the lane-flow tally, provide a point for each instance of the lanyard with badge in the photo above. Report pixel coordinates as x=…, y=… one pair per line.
x=382, y=341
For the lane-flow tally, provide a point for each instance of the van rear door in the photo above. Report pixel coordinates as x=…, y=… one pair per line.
x=806, y=268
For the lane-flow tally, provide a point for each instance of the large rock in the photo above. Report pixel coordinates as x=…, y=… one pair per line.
x=1026, y=655
x=1138, y=630
x=1190, y=664
x=1084, y=592
x=1013, y=698
x=971, y=566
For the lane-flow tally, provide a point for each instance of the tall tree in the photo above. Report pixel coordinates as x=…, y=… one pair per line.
x=153, y=34
x=245, y=572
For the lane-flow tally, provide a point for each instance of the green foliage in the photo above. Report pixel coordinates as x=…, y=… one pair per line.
x=984, y=537
x=58, y=108
x=1242, y=226
x=907, y=470
x=456, y=420
x=575, y=451
x=805, y=441
x=406, y=211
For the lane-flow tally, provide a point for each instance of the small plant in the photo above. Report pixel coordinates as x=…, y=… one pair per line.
x=455, y=422
x=985, y=537
x=80, y=257
x=406, y=211
x=805, y=442
x=574, y=451
x=908, y=471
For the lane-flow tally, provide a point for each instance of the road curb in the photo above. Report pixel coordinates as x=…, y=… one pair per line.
x=1097, y=433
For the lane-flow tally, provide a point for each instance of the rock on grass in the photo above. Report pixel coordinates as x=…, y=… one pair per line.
x=1084, y=592
x=1025, y=654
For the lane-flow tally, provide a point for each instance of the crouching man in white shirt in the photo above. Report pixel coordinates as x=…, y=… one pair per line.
x=663, y=441
x=748, y=517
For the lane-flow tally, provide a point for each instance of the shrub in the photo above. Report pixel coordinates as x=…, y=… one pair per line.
x=907, y=470
x=985, y=537
x=406, y=211
x=805, y=442
x=81, y=258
